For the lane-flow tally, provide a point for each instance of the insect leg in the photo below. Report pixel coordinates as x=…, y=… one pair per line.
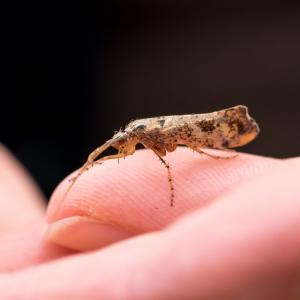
x=118, y=156
x=122, y=153
x=169, y=178
x=201, y=151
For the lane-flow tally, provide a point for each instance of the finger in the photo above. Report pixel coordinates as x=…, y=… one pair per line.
x=21, y=218
x=134, y=197
x=21, y=201
x=246, y=245
x=293, y=161
x=27, y=247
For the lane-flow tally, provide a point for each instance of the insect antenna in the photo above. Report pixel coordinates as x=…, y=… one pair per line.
x=87, y=165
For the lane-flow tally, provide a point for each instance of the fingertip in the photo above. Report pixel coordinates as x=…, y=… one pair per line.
x=84, y=234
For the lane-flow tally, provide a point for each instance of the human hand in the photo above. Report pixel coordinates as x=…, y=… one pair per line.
x=233, y=233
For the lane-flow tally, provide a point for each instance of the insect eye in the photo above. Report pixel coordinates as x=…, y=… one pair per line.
x=139, y=127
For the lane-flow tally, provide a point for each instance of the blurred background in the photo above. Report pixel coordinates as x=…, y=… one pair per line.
x=74, y=74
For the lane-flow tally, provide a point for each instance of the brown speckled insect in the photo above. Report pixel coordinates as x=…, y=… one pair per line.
x=224, y=129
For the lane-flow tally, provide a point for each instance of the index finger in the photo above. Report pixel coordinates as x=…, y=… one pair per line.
x=134, y=197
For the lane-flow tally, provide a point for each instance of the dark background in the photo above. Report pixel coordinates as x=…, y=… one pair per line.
x=74, y=74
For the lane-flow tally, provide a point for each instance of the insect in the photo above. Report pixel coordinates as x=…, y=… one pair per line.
x=224, y=129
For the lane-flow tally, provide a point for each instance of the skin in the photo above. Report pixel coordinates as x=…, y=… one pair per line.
x=233, y=233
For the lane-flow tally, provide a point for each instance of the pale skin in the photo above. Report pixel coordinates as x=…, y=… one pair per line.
x=233, y=234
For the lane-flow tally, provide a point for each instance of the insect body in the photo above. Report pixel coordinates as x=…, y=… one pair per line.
x=224, y=129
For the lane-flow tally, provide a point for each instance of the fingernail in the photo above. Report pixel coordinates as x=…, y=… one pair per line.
x=84, y=234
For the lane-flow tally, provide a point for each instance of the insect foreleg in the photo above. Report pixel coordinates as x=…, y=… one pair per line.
x=118, y=156
x=121, y=154
x=169, y=178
